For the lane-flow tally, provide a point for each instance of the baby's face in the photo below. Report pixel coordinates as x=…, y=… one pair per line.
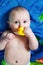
x=19, y=19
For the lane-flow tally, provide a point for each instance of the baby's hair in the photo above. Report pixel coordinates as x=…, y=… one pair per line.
x=17, y=9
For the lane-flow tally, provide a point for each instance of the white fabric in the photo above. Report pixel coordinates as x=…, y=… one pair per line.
x=28, y=63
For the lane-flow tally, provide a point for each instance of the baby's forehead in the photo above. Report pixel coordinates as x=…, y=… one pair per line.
x=19, y=11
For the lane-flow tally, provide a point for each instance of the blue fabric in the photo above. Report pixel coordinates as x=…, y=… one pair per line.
x=35, y=7
x=37, y=54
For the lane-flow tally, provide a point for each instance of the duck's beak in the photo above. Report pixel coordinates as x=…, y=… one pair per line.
x=21, y=31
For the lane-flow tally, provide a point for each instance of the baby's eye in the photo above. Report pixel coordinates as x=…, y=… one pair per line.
x=24, y=21
x=16, y=22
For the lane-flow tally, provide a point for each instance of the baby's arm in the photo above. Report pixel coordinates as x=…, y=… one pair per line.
x=33, y=42
x=2, y=44
x=3, y=41
x=6, y=37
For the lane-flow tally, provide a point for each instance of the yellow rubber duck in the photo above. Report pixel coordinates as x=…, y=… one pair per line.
x=20, y=31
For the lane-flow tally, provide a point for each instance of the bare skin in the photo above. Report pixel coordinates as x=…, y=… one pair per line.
x=17, y=48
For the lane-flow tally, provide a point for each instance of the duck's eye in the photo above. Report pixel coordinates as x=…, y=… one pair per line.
x=24, y=21
x=16, y=22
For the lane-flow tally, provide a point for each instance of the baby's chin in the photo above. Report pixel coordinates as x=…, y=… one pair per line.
x=14, y=31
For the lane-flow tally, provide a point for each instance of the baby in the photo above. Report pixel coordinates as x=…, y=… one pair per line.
x=17, y=47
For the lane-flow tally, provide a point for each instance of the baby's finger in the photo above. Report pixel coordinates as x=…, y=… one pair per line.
x=10, y=35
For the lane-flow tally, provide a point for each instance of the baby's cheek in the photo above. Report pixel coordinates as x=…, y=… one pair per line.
x=15, y=26
x=27, y=25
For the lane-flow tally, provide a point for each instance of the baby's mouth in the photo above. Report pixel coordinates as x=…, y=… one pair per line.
x=20, y=31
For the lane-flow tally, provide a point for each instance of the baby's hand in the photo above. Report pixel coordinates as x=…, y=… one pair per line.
x=10, y=36
x=7, y=35
x=28, y=31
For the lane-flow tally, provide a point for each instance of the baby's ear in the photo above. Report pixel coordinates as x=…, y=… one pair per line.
x=8, y=22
